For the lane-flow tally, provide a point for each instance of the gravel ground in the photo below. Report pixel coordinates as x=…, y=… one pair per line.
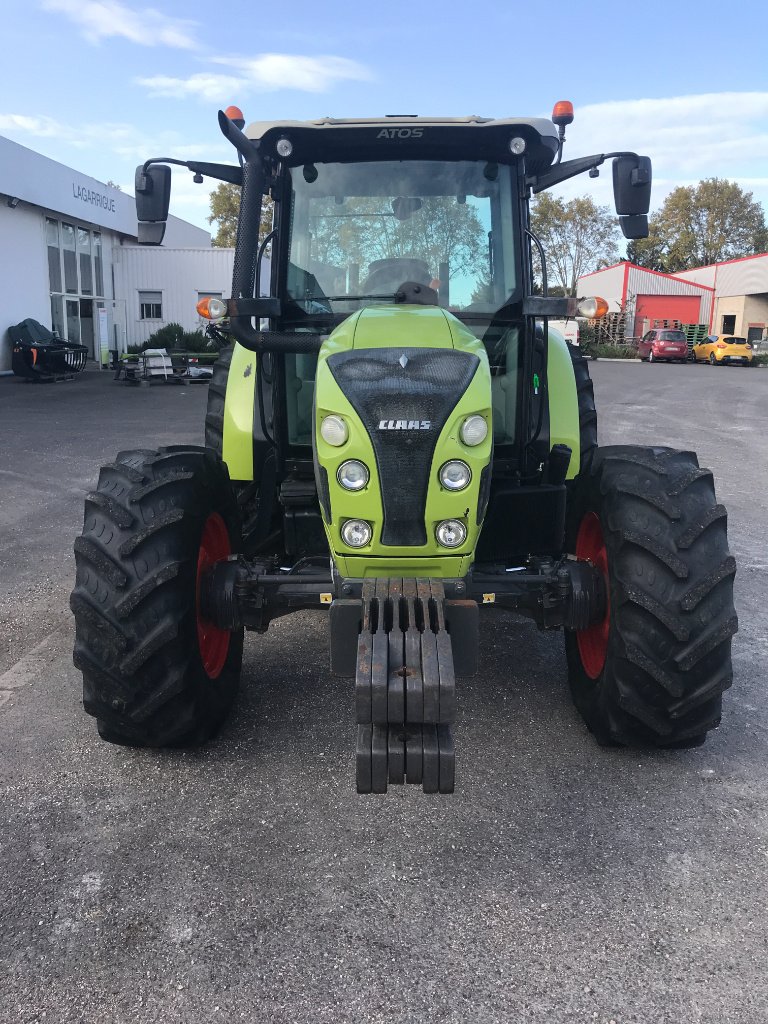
x=247, y=882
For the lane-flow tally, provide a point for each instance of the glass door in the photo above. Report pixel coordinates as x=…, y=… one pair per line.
x=72, y=314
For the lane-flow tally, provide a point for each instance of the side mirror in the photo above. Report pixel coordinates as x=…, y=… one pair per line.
x=635, y=226
x=632, y=176
x=153, y=198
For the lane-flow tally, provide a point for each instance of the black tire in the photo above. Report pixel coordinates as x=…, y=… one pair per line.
x=667, y=657
x=217, y=391
x=650, y=357
x=135, y=598
x=712, y=360
x=585, y=393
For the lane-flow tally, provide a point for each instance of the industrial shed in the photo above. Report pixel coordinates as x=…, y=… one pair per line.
x=646, y=296
x=740, y=295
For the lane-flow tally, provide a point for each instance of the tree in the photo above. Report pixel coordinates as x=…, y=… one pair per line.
x=578, y=237
x=710, y=222
x=365, y=229
x=225, y=207
x=648, y=252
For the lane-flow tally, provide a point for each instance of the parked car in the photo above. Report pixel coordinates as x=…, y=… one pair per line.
x=719, y=349
x=663, y=344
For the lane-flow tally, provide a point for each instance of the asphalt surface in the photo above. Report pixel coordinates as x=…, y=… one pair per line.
x=247, y=882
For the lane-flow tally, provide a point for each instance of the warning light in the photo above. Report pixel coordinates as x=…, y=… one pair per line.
x=235, y=115
x=562, y=113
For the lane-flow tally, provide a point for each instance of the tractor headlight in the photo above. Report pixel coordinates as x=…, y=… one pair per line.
x=356, y=533
x=474, y=430
x=455, y=476
x=353, y=475
x=284, y=147
x=451, y=533
x=334, y=430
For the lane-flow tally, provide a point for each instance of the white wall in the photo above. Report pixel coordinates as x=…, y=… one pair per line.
x=607, y=283
x=23, y=272
x=179, y=274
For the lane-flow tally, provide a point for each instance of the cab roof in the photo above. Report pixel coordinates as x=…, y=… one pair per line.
x=406, y=136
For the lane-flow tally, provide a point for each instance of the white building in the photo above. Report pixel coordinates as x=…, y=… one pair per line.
x=69, y=259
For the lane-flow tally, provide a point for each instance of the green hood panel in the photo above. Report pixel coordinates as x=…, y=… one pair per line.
x=407, y=328
x=388, y=326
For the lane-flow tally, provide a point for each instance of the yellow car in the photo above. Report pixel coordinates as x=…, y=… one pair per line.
x=719, y=349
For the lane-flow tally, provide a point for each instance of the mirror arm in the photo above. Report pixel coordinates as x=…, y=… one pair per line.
x=224, y=172
x=561, y=172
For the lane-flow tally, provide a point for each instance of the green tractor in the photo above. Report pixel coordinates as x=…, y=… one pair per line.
x=397, y=437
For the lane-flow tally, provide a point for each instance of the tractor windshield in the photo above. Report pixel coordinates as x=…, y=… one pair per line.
x=360, y=231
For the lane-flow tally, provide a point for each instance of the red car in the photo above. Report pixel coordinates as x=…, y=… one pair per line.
x=663, y=344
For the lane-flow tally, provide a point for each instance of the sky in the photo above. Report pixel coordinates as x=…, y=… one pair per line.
x=101, y=85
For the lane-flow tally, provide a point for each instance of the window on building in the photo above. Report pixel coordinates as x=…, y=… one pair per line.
x=729, y=323
x=54, y=254
x=84, y=258
x=70, y=258
x=150, y=305
x=98, y=263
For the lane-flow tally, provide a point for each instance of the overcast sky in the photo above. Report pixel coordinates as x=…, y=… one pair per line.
x=101, y=85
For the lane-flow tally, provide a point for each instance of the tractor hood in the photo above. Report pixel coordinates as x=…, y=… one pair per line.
x=403, y=379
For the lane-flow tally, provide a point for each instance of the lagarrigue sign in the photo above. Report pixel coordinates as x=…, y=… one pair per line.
x=100, y=199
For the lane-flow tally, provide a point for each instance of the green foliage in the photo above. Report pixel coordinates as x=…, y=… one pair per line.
x=225, y=208
x=606, y=351
x=578, y=237
x=761, y=360
x=586, y=333
x=173, y=338
x=700, y=224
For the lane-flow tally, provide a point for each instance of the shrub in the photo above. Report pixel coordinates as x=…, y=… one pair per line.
x=610, y=351
x=173, y=337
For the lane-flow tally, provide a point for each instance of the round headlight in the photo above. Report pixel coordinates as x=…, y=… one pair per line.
x=334, y=430
x=517, y=145
x=356, y=533
x=284, y=147
x=451, y=533
x=474, y=430
x=352, y=475
x=455, y=476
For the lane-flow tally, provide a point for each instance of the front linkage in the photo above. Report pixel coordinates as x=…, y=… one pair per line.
x=404, y=641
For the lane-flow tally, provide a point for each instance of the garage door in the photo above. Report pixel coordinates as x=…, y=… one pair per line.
x=684, y=308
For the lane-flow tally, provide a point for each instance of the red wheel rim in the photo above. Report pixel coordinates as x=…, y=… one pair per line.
x=593, y=641
x=212, y=641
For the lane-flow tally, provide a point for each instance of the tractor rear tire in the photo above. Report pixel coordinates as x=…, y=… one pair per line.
x=585, y=393
x=652, y=673
x=155, y=673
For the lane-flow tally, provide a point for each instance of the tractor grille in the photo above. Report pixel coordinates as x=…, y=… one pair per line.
x=404, y=397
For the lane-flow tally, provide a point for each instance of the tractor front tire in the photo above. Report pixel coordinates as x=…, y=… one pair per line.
x=652, y=672
x=155, y=672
